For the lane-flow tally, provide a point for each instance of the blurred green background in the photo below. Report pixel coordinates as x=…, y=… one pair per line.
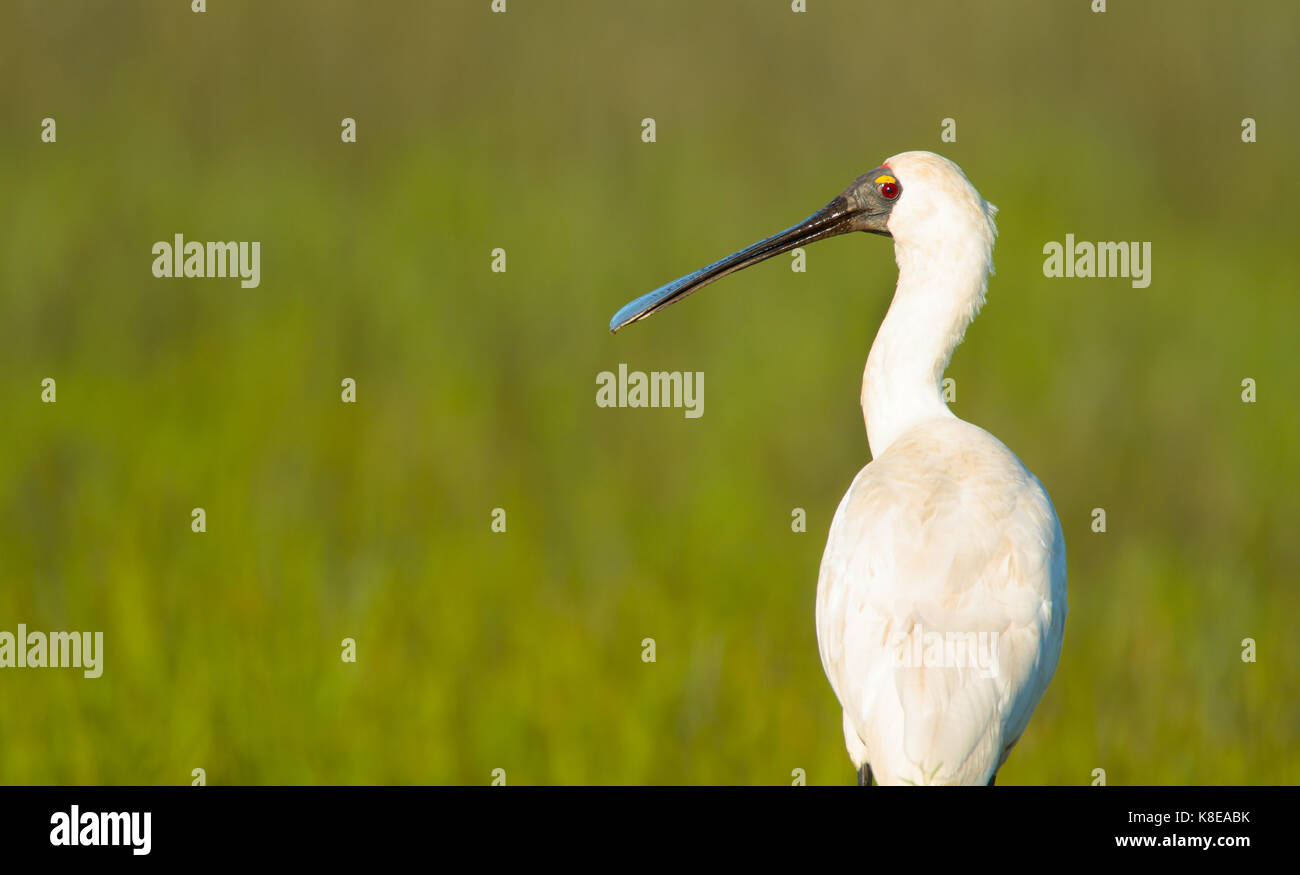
x=522, y=650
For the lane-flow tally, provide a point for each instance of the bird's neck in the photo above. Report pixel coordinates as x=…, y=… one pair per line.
x=940, y=289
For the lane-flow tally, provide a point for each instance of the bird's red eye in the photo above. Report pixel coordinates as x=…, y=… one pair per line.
x=889, y=190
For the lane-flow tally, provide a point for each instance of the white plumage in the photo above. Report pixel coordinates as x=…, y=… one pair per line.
x=945, y=536
x=941, y=601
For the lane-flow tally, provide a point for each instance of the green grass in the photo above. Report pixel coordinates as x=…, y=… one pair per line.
x=476, y=390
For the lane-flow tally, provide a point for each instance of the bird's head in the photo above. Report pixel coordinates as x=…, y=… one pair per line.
x=921, y=199
x=938, y=216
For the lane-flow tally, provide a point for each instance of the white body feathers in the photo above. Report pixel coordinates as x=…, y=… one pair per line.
x=941, y=600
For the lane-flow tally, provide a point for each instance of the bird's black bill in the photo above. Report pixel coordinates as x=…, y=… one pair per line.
x=838, y=217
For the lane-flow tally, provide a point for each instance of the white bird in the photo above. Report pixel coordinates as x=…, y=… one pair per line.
x=941, y=600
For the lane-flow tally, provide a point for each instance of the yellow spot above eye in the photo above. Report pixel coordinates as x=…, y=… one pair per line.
x=884, y=178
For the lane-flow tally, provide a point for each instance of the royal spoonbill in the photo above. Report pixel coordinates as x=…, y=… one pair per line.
x=941, y=599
